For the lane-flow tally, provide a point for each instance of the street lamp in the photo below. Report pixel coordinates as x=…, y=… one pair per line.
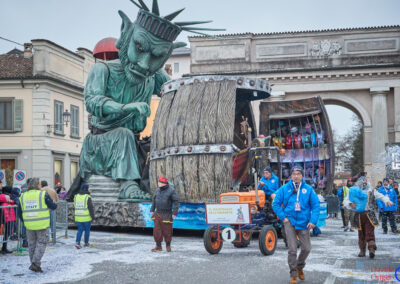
x=66, y=120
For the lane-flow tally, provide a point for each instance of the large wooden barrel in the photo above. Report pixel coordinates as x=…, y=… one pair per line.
x=193, y=137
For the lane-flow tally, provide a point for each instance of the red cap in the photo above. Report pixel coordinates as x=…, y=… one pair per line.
x=163, y=180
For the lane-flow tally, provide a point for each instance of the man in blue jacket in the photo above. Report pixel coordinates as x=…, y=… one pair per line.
x=269, y=183
x=297, y=205
x=388, y=211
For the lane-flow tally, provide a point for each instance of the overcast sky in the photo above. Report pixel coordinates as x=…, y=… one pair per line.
x=82, y=23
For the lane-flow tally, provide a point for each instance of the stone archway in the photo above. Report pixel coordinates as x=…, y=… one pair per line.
x=344, y=100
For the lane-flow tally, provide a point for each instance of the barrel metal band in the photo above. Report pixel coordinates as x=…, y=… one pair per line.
x=253, y=84
x=191, y=150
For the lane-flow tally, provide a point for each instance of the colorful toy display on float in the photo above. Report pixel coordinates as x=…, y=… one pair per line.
x=301, y=130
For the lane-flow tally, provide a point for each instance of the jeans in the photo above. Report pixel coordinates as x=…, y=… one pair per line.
x=83, y=226
x=388, y=215
x=305, y=246
x=24, y=236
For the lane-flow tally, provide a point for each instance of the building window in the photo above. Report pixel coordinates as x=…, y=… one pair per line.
x=6, y=115
x=74, y=171
x=74, y=121
x=176, y=67
x=58, y=172
x=58, y=117
x=11, y=111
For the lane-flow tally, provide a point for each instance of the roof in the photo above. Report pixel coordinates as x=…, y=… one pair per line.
x=15, y=66
x=181, y=51
x=15, y=51
x=301, y=32
x=57, y=45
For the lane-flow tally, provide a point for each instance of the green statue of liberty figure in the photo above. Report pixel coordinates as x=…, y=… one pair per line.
x=118, y=94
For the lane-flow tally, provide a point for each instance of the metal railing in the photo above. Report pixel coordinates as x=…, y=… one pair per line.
x=10, y=230
x=59, y=221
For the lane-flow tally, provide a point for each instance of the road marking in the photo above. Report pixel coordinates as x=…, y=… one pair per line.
x=88, y=276
x=331, y=279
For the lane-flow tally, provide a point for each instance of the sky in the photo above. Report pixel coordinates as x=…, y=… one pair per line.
x=82, y=23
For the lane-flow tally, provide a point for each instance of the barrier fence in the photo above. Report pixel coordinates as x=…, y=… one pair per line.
x=11, y=230
x=59, y=226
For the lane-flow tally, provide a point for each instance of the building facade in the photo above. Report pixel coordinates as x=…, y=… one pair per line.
x=357, y=68
x=179, y=63
x=37, y=88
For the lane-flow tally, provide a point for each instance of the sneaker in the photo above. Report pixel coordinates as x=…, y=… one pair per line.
x=78, y=246
x=351, y=230
x=371, y=254
x=24, y=245
x=86, y=245
x=346, y=229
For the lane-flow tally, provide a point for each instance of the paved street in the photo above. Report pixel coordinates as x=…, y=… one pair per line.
x=126, y=258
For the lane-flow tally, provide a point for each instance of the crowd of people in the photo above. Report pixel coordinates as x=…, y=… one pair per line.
x=296, y=203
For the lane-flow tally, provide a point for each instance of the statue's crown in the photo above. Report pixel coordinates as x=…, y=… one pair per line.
x=163, y=27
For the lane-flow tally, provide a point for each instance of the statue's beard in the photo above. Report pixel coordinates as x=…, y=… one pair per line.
x=132, y=78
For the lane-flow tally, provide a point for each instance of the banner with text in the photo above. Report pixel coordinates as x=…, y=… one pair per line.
x=228, y=213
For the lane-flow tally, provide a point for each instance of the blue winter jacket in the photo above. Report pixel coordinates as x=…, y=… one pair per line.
x=285, y=199
x=392, y=196
x=271, y=185
x=359, y=197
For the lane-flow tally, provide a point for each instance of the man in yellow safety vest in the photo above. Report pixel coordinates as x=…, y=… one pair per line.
x=34, y=207
x=84, y=214
x=347, y=214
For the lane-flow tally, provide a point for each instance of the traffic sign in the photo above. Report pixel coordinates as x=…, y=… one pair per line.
x=19, y=177
x=3, y=177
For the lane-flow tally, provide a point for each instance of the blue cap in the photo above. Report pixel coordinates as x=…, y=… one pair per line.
x=297, y=168
x=268, y=169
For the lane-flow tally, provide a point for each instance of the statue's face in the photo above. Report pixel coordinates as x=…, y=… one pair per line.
x=142, y=54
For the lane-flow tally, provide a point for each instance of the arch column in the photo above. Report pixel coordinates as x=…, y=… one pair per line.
x=379, y=133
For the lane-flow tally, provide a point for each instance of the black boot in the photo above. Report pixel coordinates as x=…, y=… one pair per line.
x=4, y=249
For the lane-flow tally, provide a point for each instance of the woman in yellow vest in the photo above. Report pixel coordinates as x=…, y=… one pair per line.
x=84, y=214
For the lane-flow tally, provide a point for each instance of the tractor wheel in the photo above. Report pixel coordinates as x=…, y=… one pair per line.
x=267, y=240
x=211, y=242
x=246, y=238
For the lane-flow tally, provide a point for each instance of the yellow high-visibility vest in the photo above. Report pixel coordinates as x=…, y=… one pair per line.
x=82, y=213
x=35, y=213
x=345, y=191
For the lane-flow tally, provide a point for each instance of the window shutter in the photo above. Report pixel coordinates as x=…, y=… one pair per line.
x=18, y=115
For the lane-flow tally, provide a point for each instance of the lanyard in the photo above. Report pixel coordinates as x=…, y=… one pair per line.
x=298, y=190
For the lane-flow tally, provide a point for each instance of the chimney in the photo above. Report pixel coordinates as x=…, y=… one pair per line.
x=27, y=50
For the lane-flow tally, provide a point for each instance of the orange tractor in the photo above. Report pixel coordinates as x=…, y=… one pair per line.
x=260, y=217
x=240, y=233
